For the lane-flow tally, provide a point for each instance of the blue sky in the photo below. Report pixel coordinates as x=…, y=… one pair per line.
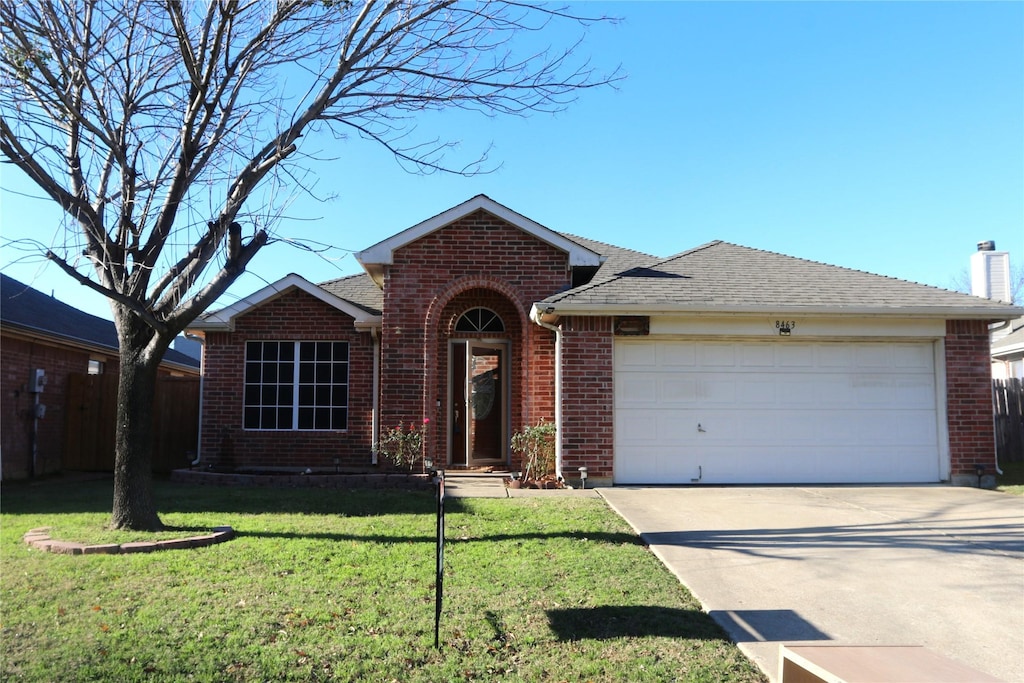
x=886, y=137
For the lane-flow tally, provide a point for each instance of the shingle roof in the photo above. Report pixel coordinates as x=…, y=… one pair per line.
x=1012, y=343
x=720, y=276
x=30, y=310
x=617, y=259
x=359, y=290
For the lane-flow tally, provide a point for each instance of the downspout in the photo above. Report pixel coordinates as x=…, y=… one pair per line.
x=535, y=317
x=1001, y=325
x=202, y=379
x=375, y=411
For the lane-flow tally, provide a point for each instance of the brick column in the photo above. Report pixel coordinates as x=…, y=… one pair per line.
x=587, y=410
x=969, y=402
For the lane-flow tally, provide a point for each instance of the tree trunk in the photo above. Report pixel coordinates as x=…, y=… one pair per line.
x=134, y=507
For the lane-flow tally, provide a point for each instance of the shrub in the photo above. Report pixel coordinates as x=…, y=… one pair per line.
x=536, y=445
x=402, y=446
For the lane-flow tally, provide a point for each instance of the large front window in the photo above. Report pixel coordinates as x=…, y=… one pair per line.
x=296, y=385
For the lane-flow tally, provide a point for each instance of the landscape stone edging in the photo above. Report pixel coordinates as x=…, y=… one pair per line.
x=40, y=539
x=367, y=480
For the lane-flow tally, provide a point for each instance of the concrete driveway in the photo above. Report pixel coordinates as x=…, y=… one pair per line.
x=936, y=566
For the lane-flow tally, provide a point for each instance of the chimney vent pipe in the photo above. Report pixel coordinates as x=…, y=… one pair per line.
x=987, y=245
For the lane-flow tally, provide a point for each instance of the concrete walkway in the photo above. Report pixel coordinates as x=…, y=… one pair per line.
x=937, y=566
x=491, y=485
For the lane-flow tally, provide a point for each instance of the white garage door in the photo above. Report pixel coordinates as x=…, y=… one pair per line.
x=775, y=412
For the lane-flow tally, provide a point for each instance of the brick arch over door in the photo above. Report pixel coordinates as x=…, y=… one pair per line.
x=444, y=309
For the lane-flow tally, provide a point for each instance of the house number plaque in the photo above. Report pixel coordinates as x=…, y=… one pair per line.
x=785, y=327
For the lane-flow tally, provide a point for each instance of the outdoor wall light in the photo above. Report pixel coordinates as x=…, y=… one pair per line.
x=583, y=477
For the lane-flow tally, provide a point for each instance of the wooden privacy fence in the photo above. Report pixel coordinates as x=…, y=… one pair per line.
x=1009, y=409
x=91, y=415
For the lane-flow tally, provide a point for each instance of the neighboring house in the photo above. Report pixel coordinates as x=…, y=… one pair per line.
x=42, y=343
x=722, y=364
x=990, y=278
x=1008, y=351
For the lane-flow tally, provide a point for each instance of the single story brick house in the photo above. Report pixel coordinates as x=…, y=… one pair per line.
x=721, y=364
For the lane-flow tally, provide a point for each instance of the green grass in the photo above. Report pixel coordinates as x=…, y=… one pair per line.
x=339, y=585
x=1012, y=479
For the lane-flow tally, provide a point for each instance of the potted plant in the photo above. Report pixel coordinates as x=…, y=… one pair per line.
x=535, y=445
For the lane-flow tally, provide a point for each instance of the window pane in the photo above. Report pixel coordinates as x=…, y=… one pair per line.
x=270, y=351
x=252, y=418
x=323, y=395
x=286, y=395
x=307, y=351
x=305, y=418
x=306, y=395
x=252, y=395
x=323, y=351
x=339, y=396
x=268, y=418
x=340, y=373
x=339, y=418
x=253, y=372
x=270, y=374
x=323, y=372
x=269, y=396
x=287, y=351
x=307, y=373
x=284, y=418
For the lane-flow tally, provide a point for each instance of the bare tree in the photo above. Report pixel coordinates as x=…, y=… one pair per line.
x=961, y=282
x=152, y=123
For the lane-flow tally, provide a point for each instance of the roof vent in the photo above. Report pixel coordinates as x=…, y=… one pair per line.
x=987, y=245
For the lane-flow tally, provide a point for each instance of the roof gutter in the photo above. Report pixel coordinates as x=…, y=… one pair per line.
x=1000, y=313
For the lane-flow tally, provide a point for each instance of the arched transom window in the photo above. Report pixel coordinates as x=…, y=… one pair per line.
x=479, y=320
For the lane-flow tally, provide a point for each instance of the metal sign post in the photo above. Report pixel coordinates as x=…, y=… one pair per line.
x=439, y=581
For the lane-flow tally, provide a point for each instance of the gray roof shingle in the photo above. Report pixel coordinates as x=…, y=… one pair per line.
x=30, y=310
x=359, y=290
x=719, y=276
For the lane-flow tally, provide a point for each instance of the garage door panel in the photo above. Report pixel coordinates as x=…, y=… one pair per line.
x=678, y=390
x=638, y=389
x=636, y=427
x=682, y=355
x=721, y=356
x=637, y=356
x=776, y=412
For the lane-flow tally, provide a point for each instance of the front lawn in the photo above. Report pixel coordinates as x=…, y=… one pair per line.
x=339, y=585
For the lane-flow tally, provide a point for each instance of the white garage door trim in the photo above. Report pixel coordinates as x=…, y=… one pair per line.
x=752, y=412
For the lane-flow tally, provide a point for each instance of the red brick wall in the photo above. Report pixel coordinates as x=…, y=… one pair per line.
x=969, y=397
x=477, y=261
x=296, y=316
x=587, y=405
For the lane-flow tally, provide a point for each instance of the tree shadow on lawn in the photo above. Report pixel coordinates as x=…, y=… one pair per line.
x=605, y=622
x=75, y=495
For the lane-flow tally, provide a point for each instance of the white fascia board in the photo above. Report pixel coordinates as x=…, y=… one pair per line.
x=556, y=309
x=224, y=319
x=1009, y=350
x=383, y=252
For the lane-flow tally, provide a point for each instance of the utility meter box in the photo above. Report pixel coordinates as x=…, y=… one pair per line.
x=37, y=380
